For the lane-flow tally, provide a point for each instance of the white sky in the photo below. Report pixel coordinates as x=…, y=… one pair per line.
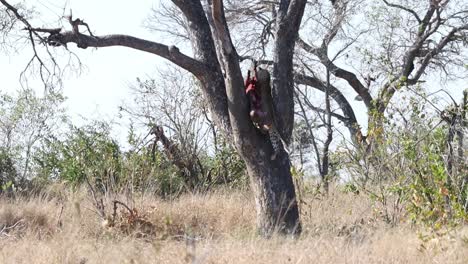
x=104, y=83
x=108, y=72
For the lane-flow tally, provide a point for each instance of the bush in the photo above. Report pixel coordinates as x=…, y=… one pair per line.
x=7, y=172
x=406, y=171
x=86, y=152
x=225, y=167
x=89, y=154
x=151, y=172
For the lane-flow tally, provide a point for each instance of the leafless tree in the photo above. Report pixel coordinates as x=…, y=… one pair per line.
x=376, y=48
x=324, y=117
x=186, y=136
x=428, y=35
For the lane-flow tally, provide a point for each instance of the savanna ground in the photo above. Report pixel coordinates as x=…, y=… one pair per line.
x=62, y=226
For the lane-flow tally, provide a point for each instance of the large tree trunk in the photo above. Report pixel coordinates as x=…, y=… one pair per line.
x=275, y=196
x=271, y=180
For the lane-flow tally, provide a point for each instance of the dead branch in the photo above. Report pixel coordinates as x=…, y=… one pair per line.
x=114, y=212
x=98, y=203
x=409, y=10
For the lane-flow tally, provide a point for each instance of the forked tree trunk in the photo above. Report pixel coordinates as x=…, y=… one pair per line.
x=271, y=180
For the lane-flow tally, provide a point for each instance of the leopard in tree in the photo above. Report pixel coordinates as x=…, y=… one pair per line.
x=261, y=105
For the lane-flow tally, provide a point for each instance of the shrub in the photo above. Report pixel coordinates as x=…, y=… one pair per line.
x=7, y=172
x=406, y=171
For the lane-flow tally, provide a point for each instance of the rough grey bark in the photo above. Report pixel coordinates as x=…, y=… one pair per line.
x=288, y=21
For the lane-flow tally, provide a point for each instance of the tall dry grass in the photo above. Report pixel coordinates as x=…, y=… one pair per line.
x=61, y=226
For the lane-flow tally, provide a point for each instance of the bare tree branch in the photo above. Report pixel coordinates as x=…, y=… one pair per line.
x=32, y=32
x=427, y=27
x=349, y=120
x=311, y=132
x=170, y=53
x=435, y=51
x=321, y=52
x=348, y=76
x=320, y=110
x=409, y=10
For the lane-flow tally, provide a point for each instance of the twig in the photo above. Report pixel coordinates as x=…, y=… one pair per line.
x=6, y=228
x=114, y=213
x=78, y=22
x=59, y=221
x=409, y=10
x=99, y=204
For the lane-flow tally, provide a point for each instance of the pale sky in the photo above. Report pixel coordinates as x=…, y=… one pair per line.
x=108, y=72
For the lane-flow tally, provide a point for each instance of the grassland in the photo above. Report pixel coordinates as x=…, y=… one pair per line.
x=62, y=226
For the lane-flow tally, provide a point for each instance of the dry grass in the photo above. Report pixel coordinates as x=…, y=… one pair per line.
x=216, y=228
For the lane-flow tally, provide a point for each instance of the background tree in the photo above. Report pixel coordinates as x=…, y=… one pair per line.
x=188, y=137
x=26, y=119
x=178, y=124
x=374, y=48
x=396, y=45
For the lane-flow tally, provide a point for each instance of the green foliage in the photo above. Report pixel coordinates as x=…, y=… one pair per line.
x=405, y=171
x=144, y=171
x=225, y=167
x=88, y=151
x=432, y=197
x=7, y=171
x=26, y=119
x=350, y=188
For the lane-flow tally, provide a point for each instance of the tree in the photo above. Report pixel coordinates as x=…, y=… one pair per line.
x=307, y=136
x=373, y=48
x=396, y=45
x=216, y=64
x=25, y=121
